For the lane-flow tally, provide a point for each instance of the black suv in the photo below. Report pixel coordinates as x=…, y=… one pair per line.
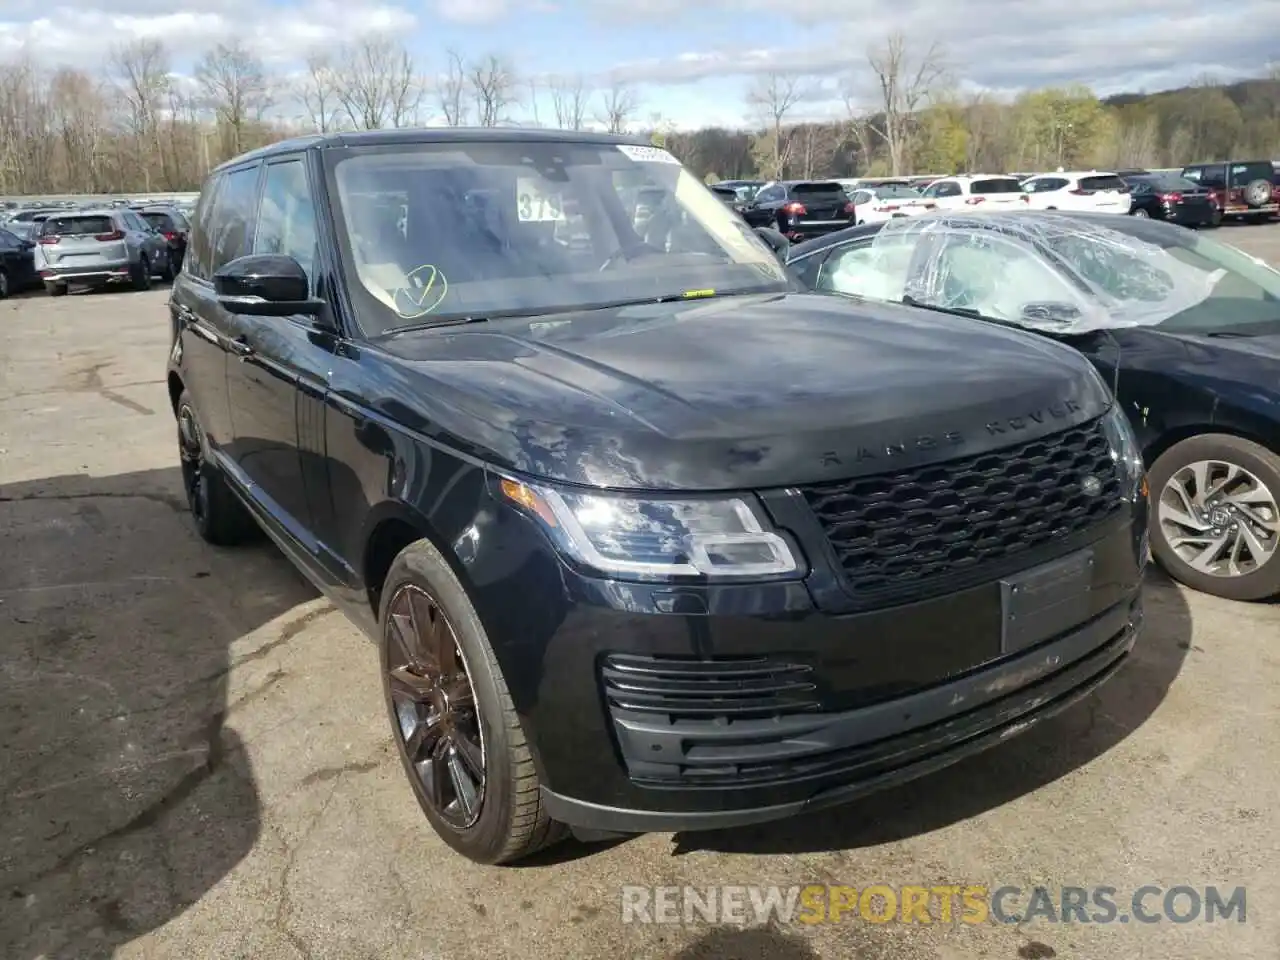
x=647, y=539
x=1243, y=188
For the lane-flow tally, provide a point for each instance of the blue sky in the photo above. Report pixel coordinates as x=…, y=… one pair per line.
x=692, y=61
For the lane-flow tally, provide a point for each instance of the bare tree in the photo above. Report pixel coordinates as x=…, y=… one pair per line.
x=618, y=106
x=493, y=83
x=236, y=86
x=906, y=84
x=451, y=89
x=774, y=96
x=533, y=100
x=376, y=83
x=141, y=78
x=569, y=99
x=319, y=91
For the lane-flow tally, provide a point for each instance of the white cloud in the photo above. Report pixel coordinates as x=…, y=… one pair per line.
x=83, y=36
x=1108, y=44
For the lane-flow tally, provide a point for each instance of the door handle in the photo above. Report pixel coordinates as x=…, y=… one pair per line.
x=241, y=346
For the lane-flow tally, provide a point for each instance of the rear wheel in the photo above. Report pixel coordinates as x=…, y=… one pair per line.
x=1216, y=516
x=456, y=730
x=142, y=274
x=4, y=283
x=55, y=289
x=220, y=517
x=169, y=271
x=1139, y=213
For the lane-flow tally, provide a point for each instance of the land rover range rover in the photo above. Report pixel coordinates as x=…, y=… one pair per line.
x=647, y=539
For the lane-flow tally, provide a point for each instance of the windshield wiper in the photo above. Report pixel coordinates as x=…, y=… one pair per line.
x=910, y=301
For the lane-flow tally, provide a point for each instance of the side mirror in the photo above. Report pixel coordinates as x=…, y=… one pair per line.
x=265, y=285
x=779, y=244
x=1050, y=314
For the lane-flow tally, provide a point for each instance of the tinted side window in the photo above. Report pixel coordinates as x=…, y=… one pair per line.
x=199, y=249
x=874, y=269
x=232, y=216
x=949, y=189
x=286, y=215
x=1106, y=182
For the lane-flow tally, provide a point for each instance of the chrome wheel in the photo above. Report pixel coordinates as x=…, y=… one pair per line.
x=434, y=707
x=1219, y=518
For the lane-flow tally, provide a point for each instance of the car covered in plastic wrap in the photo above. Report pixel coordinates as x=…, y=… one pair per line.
x=1184, y=328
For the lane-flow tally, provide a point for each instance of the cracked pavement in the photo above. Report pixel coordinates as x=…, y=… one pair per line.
x=196, y=762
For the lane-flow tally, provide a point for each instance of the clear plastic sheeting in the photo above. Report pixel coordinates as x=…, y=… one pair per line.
x=1045, y=271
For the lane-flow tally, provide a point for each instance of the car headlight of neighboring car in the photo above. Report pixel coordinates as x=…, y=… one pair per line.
x=654, y=537
x=1126, y=452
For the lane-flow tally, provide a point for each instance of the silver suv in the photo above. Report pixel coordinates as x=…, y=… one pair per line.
x=98, y=247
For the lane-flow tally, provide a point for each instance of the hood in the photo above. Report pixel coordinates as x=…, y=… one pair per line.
x=731, y=393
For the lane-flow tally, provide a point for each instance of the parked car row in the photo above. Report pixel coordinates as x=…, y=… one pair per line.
x=91, y=246
x=633, y=504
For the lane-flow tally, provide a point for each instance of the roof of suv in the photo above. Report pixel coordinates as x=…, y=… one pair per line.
x=372, y=138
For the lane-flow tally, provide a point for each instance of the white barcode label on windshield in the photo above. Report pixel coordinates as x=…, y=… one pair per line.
x=646, y=154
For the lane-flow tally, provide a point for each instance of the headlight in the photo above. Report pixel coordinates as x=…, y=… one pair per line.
x=659, y=537
x=1125, y=451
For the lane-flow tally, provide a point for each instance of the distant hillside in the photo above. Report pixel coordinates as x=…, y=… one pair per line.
x=1240, y=93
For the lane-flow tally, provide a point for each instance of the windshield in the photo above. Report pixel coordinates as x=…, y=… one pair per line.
x=1240, y=292
x=444, y=232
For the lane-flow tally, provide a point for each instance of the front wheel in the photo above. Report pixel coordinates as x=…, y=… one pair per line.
x=1216, y=516
x=456, y=730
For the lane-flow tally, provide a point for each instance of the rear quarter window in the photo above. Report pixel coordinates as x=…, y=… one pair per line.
x=199, y=250
x=1243, y=173
x=996, y=185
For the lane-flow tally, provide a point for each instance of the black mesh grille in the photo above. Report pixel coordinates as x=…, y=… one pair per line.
x=898, y=535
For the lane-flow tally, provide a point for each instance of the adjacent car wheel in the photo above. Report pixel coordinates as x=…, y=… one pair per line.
x=56, y=289
x=1216, y=516
x=142, y=274
x=220, y=517
x=4, y=283
x=1139, y=213
x=457, y=733
x=169, y=271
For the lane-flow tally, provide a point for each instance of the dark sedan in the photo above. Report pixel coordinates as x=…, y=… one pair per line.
x=1185, y=329
x=1171, y=197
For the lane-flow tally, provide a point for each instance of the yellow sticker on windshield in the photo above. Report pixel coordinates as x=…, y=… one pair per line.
x=425, y=291
x=695, y=294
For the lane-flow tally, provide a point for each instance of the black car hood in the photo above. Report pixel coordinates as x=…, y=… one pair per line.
x=735, y=392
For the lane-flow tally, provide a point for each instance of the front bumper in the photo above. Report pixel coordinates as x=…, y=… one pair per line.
x=667, y=708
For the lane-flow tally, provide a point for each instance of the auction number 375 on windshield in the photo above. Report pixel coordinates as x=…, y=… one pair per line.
x=535, y=203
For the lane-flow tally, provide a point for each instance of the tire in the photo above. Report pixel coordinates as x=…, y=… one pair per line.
x=1139, y=213
x=4, y=283
x=220, y=517
x=168, y=273
x=510, y=822
x=1257, y=218
x=55, y=289
x=142, y=275
x=1260, y=582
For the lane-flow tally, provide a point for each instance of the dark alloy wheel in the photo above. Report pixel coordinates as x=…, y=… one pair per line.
x=434, y=707
x=191, y=457
x=460, y=740
x=220, y=517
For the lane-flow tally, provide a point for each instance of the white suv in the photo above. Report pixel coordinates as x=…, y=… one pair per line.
x=1088, y=190
x=977, y=192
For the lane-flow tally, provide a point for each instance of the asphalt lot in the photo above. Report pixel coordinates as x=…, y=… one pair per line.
x=195, y=760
